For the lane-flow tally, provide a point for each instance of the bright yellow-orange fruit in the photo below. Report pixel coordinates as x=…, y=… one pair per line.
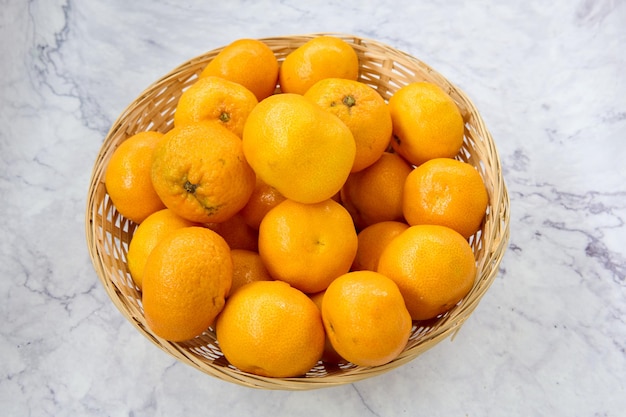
x=127, y=177
x=186, y=280
x=362, y=109
x=248, y=62
x=372, y=241
x=433, y=266
x=330, y=355
x=300, y=149
x=307, y=245
x=147, y=235
x=247, y=267
x=263, y=199
x=237, y=233
x=216, y=100
x=375, y=194
x=365, y=318
x=319, y=58
x=447, y=192
x=427, y=123
x=199, y=172
x=271, y=329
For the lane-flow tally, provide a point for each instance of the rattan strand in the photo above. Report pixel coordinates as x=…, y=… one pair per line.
x=385, y=69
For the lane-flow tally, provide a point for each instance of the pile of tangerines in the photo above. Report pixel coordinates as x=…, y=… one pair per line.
x=296, y=212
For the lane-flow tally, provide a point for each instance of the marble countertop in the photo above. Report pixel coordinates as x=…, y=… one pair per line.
x=549, y=338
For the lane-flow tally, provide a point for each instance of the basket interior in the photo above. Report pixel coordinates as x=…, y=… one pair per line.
x=386, y=70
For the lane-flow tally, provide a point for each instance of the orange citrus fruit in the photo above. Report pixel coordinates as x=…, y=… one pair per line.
x=447, y=192
x=319, y=58
x=249, y=62
x=300, y=149
x=427, y=123
x=127, y=177
x=271, y=329
x=247, y=267
x=372, y=241
x=307, y=245
x=150, y=232
x=199, y=172
x=365, y=318
x=375, y=194
x=217, y=100
x=433, y=266
x=186, y=280
x=263, y=199
x=362, y=109
x=330, y=355
x=237, y=233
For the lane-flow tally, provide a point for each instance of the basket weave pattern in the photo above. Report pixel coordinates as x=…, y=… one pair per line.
x=386, y=70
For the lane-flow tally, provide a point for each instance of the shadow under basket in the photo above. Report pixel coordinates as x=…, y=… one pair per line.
x=381, y=67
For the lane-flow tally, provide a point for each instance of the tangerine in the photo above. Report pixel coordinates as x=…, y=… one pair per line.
x=375, y=194
x=365, y=318
x=271, y=329
x=372, y=241
x=319, y=58
x=247, y=267
x=147, y=235
x=249, y=62
x=447, y=192
x=329, y=355
x=217, y=100
x=199, y=172
x=362, y=109
x=307, y=245
x=300, y=149
x=127, y=177
x=427, y=123
x=433, y=266
x=186, y=280
x=264, y=197
x=237, y=233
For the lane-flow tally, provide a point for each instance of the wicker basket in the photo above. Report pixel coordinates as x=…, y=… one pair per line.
x=385, y=69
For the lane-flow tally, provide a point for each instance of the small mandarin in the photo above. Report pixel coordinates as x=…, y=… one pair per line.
x=432, y=265
x=375, y=194
x=447, y=192
x=300, y=149
x=319, y=58
x=362, y=109
x=199, y=172
x=263, y=199
x=307, y=245
x=127, y=177
x=186, y=280
x=237, y=233
x=147, y=235
x=427, y=123
x=372, y=241
x=330, y=355
x=249, y=62
x=365, y=318
x=216, y=100
x=271, y=329
x=247, y=267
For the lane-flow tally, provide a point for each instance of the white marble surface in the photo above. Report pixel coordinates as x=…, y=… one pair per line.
x=549, y=338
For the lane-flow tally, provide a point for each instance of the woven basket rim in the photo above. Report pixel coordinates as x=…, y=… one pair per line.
x=490, y=243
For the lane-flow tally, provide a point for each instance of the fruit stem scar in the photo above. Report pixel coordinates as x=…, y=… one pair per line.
x=224, y=117
x=189, y=187
x=349, y=101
